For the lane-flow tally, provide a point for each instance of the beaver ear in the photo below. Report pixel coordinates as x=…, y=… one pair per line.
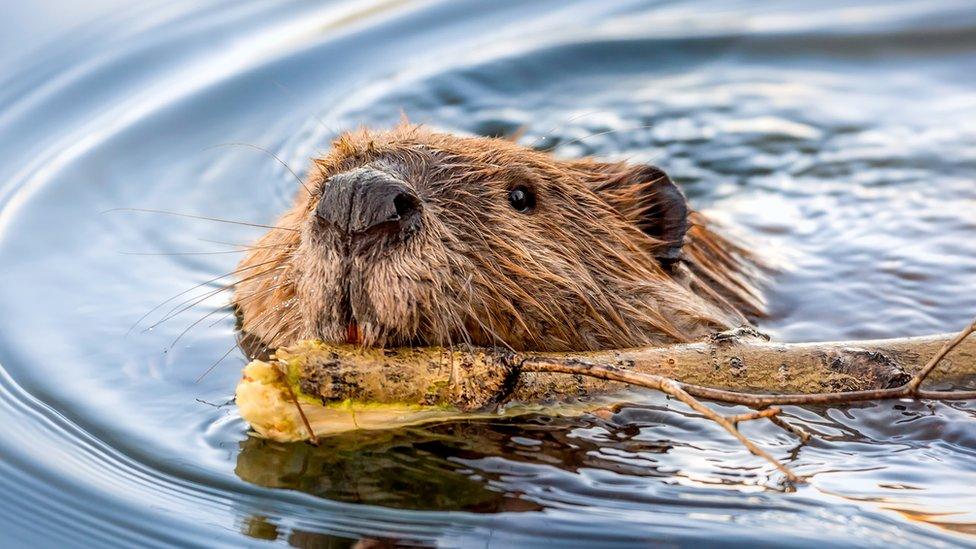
x=646, y=195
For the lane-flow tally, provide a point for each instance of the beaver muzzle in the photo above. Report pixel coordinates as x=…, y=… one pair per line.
x=368, y=200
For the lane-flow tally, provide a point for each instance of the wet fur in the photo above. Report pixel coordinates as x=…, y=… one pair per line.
x=576, y=273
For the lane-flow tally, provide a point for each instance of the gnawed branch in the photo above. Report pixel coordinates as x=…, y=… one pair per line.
x=343, y=387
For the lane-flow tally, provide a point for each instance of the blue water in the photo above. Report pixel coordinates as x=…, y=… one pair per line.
x=836, y=139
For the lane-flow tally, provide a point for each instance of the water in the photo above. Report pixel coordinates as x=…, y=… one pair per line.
x=837, y=140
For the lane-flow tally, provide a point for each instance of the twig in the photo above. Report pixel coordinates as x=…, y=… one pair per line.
x=670, y=387
x=908, y=389
x=689, y=393
x=312, y=439
x=789, y=427
x=766, y=413
x=759, y=400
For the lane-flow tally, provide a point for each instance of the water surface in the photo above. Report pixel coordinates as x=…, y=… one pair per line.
x=837, y=141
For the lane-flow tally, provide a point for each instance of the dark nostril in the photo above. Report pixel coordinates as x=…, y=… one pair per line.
x=405, y=205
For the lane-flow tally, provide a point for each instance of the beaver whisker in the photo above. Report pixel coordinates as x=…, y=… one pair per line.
x=233, y=310
x=459, y=319
x=184, y=292
x=191, y=302
x=241, y=249
x=191, y=326
x=220, y=252
x=236, y=345
x=267, y=152
x=502, y=304
x=278, y=327
x=496, y=339
x=606, y=132
x=244, y=246
x=564, y=123
x=196, y=300
x=203, y=217
x=215, y=311
x=234, y=306
x=314, y=115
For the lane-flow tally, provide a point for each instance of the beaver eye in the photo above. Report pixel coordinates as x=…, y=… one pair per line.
x=521, y=199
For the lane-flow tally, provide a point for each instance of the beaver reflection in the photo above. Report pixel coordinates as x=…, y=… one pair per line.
x=410, y=237
x=435, y=467
x=264, y=528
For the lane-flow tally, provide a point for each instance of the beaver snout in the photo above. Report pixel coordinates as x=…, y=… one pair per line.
x=368, y=200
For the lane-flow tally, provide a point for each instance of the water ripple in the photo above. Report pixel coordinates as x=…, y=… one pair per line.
x=831, y=140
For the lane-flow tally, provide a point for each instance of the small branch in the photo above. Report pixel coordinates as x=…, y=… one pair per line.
x=767, y=413
x=908, y=389
x=797, y=431
x=670, y=387
x=687, y=393
x=314, y=440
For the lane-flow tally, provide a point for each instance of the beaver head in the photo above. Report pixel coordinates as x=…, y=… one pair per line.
x=411, y=237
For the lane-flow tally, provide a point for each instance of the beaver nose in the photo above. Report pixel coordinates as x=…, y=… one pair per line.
x=362, y=199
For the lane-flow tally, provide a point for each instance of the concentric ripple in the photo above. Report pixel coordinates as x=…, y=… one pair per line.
x=835, y=141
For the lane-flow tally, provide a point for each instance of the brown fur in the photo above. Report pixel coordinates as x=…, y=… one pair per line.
x=576, y=273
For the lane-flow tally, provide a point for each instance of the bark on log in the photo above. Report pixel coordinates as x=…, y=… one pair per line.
x=475, y=379
x=312, y=389
x=741, y=363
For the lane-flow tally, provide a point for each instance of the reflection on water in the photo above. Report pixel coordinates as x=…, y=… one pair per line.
x=834, y=140
x=356, y=468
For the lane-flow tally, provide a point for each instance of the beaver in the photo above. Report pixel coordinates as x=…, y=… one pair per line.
x=411, y=237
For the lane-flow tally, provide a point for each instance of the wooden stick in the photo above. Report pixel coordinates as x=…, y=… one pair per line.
x=730, y=367
x=687, y=393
